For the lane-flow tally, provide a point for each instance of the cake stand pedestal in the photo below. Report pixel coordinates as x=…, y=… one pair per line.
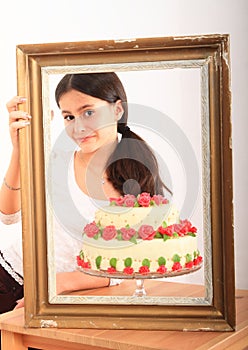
x=140, y=278
x=140, y=288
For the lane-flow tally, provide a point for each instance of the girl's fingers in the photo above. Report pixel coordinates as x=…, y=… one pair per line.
x=18, y=116
x=19, y=125
x=19, y=303
x=12, y=105
x=17, y=119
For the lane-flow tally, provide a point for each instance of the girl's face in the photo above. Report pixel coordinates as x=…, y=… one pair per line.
x=89, y=121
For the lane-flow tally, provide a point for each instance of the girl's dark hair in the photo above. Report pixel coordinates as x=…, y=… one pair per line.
x=132, y=168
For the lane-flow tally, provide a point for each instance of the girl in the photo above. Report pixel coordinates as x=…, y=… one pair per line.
x=94, y=109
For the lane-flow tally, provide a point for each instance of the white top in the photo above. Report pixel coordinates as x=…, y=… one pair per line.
x=71, y=210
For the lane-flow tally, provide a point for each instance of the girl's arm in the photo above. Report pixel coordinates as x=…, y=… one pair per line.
x=67, y=282
x=10, y=199
x=76, y=280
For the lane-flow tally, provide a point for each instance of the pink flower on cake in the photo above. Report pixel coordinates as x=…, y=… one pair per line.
x=91, y=229
x=184, y=227
x=111, y=269
x=127, y=233
x=82, y=263
x=109, y=232
x=144, y=199
x=176, y=259
x=197, y=260
x=146, y=232
x=117, y=201
x=144, y=270
x=180, y=229
x=129, y=200
x=189, y=264
x=128, y=270
x=79, y=260
x=193, y=229
x=86, y=265
x=169, y=230
x=176, y=266
x=162, y=269
x=159, y=199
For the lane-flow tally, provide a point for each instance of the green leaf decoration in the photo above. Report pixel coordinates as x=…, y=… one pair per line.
x=119, y=236
x=192, y=234
x=128, y=262
x=175, y=234
x=166, y=237
x=133, y=240
x=158, y=235
x=113, y=262
x=161, y=261
x=98, y=261
x=81, y=254
x=196, y=253
x=164, y=224
x=176, y=258
x=146, y=262
x=188, y=258
x=97, y=236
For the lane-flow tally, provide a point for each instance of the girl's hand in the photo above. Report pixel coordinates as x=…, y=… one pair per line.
x=17, y=119
x=19, y=304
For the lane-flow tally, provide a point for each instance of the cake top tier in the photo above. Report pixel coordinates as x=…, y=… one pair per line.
x=143, y=199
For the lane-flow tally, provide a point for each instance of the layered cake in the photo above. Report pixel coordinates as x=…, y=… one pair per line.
x=139, y=235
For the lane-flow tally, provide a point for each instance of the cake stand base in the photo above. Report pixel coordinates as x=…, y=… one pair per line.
x=140, y=289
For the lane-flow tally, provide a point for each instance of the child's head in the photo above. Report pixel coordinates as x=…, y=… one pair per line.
x=105, y=86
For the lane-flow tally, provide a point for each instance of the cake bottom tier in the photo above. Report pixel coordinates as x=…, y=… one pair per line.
x=146, y=255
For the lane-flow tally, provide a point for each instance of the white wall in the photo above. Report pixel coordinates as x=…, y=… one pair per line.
x=45, y=21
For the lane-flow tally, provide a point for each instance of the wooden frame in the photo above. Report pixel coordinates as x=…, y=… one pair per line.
x=209, y=53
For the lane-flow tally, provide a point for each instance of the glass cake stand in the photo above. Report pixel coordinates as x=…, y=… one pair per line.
x=140, y=278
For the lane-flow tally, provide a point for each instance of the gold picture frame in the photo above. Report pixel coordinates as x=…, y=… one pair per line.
x=209, y=55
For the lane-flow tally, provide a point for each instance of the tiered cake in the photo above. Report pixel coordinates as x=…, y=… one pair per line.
x=139, y=235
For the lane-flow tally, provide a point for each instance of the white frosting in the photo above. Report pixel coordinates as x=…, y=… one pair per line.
x=135, y=217
x=150, y=250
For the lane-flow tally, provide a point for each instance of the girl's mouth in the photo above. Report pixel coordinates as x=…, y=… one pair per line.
x=84, y=139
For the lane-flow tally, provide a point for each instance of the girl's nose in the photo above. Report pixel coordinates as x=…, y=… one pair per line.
x=79, y=124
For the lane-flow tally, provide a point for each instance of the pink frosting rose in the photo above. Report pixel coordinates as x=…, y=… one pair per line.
x=146, y=232
x=117, y=201
x=91, y=229
x=184, y=227
x=169, y=230
x=109, y=232
x=129, y=200
x=127, y=233
x=144, y=199
x=159, y=199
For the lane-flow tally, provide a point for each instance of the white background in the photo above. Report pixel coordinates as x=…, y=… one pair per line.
x=30, y=22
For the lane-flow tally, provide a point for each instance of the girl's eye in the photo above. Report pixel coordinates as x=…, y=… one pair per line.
x=88, y=113
x=69, y=117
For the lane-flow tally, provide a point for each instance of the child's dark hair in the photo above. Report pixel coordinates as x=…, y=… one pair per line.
x=132, y=168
